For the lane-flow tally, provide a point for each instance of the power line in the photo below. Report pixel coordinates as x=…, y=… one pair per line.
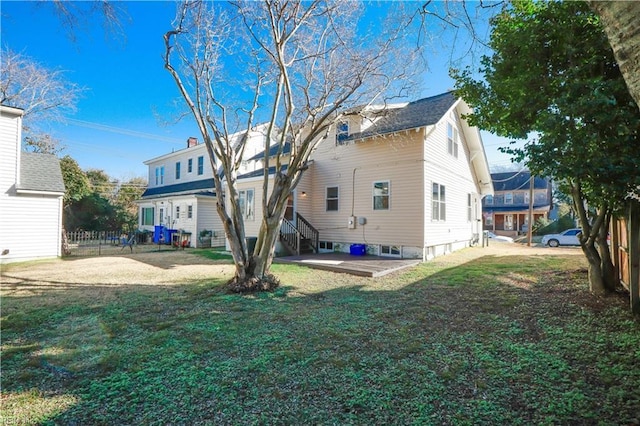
x=120, y=130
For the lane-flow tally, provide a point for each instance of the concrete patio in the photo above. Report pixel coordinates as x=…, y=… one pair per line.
x=365, y=266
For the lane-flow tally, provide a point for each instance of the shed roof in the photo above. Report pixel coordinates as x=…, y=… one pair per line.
x=40, y=173
x=198, y=187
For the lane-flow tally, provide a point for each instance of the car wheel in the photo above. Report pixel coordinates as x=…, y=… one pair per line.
x=553, y=243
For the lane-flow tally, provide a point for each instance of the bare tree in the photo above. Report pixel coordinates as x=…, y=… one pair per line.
x=43, y=94
x=294, y=66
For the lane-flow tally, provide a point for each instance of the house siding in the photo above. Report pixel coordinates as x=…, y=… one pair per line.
x=353, y=168
x=31, y=223
x=455, y=173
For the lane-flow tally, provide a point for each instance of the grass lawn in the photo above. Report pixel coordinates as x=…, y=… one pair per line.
x=496, y=340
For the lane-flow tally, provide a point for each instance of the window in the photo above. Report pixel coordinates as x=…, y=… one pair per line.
x=488, y=219
x=200, y=165
x=526, y=197
x=161, y=219
x=390, y=251
x=147, y=216
x=332, y=199
x=190, y=165
x=160, y=175
x=508, y=198
x=488, y=200
x=342, y=132
x=189, y=212
x=381, y=195
x=177, y=170
x=438, y=203
x=326, y=245
x=177, y=212
x=452, y=140
x=508, y=222
x=469, y=209
x=246, y=203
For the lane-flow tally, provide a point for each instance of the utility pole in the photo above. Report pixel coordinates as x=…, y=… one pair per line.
x=530, y=227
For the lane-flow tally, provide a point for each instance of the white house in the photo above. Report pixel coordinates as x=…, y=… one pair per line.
x=405, y=180
x=181, y=194
x=31, y=193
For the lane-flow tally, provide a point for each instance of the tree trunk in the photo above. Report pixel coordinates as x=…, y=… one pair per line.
x=621, y=21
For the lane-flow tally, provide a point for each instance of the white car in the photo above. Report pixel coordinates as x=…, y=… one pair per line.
x=502, y=238
x=566, y=238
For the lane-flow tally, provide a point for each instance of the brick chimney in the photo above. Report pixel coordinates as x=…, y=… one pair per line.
x=192, y=142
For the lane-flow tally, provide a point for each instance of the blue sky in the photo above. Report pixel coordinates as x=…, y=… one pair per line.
x=127, y=113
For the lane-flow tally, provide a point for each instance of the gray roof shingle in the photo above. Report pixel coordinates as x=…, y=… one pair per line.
x=420, y=113
x=40, y=172
x=199, y=187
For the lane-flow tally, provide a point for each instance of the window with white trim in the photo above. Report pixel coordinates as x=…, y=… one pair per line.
x=469, y=208
x=452, y=140
x=508, y=222
x=160, y=175
x=246, y=203
x=146, y=216
x=177, y=212
x=508, y=198
x=342, y=132
x=332, y=198
x=393, y=251
x=438, y=202
x=381, y=195
x=177, y=170
x=190, y=165
x=189, y=211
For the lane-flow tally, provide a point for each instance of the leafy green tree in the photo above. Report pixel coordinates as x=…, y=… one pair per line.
x=75, y=180
x=553, y=75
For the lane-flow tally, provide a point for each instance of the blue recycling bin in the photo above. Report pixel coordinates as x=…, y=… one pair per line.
x=158, y=234
x=168, y=235
x=358, y=249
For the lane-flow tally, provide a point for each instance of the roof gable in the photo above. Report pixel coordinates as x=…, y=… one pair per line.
x=40, y=172
x=420, y=113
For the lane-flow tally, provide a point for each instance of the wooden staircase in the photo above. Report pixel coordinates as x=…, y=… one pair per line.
x=300, y=239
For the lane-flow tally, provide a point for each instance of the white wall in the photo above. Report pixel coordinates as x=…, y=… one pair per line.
x=30, y=225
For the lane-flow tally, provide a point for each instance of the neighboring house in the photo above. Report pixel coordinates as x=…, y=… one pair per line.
x=31, y=193
x=181, y=193
x=404, y=181
x=507, y=211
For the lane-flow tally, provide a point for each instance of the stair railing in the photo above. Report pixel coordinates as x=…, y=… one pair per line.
x=293, y=235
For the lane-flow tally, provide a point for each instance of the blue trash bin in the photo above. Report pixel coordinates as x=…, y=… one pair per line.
x=358, y=249
x=158, y=234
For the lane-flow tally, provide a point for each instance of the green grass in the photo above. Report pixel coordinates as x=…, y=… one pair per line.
x=512, y=340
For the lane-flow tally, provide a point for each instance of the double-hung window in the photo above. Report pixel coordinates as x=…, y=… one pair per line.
x=177, y=170
x=177, y=212
x=160, y=175
x=438, y=202
x=200, y=165
x=190, y=165
x=508, y=198
x=189, y=211
x=246, y=203
x=332, y=199
x=381, y=194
